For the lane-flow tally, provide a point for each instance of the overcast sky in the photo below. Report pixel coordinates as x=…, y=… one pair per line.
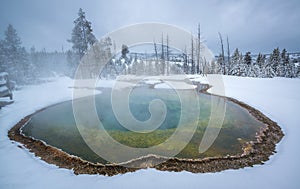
x=251, y=25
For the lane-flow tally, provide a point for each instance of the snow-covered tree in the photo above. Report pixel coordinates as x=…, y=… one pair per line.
x=15, y=58
x=47, y=64
x=11, y=49
x=219, y=65
x=185, y=61
x=290, y=69
x=2, y=57
x=101, y=60
x=274, y=61
x=104, y=51
x=261, y=60
x=235, y=63
x=124, y=52
x=253, y=70
x=248, y=58
x=149, y=68
x=213, y=67
x=82, y=34
x=268, y=71
x=282, y=66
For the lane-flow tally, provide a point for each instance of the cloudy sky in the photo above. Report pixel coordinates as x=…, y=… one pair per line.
x=251, y=25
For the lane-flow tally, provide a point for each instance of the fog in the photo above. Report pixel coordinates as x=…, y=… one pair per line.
x=251, y=25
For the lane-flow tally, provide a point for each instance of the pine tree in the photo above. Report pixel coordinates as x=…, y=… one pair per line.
x=220, y=65
x=124, y=60
x=213, y=67
x=284, y=56
x=290, y=67
x=253, y=69
x=268, y=69
x=261, y=60
x=248, y=58
x=124, y=51
x=2, y=57
x=242, y=67
x=274, y=61
x=238, y=66
x=82, y=34
x=284, y=64
x=12, y=46
x=260, y=64
x=15, y=56
x=234, y=69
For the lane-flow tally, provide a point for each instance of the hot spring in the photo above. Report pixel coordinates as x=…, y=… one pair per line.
x=56, y=125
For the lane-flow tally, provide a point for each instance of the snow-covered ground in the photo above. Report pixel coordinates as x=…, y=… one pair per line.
x=278, y=98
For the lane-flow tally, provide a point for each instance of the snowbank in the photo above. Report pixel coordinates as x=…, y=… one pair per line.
x=278, y=98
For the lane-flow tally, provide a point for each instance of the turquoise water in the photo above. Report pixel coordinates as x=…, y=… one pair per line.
x=56, y=125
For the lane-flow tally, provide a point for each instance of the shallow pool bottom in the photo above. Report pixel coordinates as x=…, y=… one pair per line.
x=255, y=152
x=56, y=126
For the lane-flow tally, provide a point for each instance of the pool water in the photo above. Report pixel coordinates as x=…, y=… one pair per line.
x=56, y=125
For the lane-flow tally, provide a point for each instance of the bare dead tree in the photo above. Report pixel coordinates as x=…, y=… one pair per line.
x=222, y=55
x=192, y=56
x=228, y=56
x=162, y=55
x=155, y=50
x=198, y=50
x=168, y=55
x=185, y=61
x=156, y=57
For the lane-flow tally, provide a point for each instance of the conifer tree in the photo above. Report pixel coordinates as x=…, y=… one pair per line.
x=274, y=61
x=15, y=58
x=82, y=34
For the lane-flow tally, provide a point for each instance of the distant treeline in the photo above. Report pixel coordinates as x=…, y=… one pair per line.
x=27, y=67
x=277, y=64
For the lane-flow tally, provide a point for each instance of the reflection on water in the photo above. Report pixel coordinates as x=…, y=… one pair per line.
x=56, y=125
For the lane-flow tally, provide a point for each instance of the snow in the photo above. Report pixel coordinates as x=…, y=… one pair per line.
x=2, y=81
x=278, y=98
x=2, y=78
x=174, y=84
x=2, y=74
x=3, y=88
x=159, y=82
x=152, y=81
x=200, y=78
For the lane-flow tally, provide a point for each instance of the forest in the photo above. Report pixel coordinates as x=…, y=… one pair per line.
x=28, y=66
